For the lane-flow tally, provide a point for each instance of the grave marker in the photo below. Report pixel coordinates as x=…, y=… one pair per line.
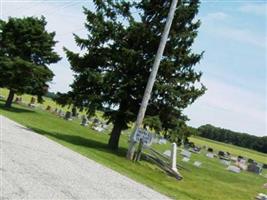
x=186, y=153
x=84, y=121
x=253, y=167
x=210, y=155
x=233, y=168
x=167, y=153
x=68, y=116
x=197, y=163
x=185, y=159
x=173, y=157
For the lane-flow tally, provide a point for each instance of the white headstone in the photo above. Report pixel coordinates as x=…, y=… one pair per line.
x=225, y=162
x=233, y=158
x=241, y=165
x=210, y=155
x=233, y=168
x=186, y=153
x=261, y=196
x=173, y=157
x=98, y=128
x=167, y=153
x=162, y=141
x=185, y=159
x=197, y=163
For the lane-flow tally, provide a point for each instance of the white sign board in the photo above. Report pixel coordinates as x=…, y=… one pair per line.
x=144, y=135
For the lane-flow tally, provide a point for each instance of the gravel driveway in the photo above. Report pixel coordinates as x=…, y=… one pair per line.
x=34, y=167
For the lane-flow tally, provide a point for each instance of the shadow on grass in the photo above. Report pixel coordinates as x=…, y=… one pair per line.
x=81, y=141
x=14, y=109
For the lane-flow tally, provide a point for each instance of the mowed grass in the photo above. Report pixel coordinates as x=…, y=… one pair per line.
x=211, y=181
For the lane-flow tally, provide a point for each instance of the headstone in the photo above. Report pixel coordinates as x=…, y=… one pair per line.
x=221, y=154
x=59, y=112
x=48, y=108
x=17, y=100
x=173, y=157
x=105, y=126
x=33, y=100
x=84, y=121
x=241, y=165
x=167, y=153
x=253, y=167
x=261, y=196
x=239, y=158
x=98, y=128
x=68, y=116
x=197, y=149
x=185, y=159
x=233, y=168
x=55, y=111
x=197, y=163
x=31, y=105
x=233, y=158
x=210, y=155
x=186, y=146
x=162, y=141
x=225, y=162
x=186, y=153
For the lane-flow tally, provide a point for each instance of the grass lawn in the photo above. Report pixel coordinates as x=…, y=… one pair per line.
x=211, y=181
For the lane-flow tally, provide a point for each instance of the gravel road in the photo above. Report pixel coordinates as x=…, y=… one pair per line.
x=34, y=167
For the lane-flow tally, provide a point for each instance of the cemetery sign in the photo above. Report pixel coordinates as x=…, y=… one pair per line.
x=144, y=135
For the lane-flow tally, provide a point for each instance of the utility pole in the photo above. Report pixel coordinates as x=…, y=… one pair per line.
x=152, y=78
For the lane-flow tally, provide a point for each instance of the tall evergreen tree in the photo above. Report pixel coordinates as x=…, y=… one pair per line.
x=26, y=50
x=118, y=53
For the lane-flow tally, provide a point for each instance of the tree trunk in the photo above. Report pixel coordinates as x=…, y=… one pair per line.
x=113, y=142
x=10, y=98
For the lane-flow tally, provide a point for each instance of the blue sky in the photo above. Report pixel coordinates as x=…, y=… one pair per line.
x=232, y=34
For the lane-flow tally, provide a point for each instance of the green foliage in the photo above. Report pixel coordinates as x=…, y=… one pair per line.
x=239, y=139
x=181, y=133
x=25, y=53
x=112, y=72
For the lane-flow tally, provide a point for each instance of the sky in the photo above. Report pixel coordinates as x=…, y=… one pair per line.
x=233, y=35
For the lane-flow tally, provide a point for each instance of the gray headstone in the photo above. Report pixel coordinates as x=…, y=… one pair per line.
x=84, y=121
x=68, y=116
x=253, y=167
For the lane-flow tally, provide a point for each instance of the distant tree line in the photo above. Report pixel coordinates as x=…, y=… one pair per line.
x=235, y=138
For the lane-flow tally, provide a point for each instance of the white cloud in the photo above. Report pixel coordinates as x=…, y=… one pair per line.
x=241, y=35
x=232, y=107
x=257, y=9
x=216, y=16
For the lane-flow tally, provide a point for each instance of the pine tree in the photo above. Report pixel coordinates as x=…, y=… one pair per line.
x=25, y=53
x=112, y=72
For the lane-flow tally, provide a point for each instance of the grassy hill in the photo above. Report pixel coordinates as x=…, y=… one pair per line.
x=211, y=181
